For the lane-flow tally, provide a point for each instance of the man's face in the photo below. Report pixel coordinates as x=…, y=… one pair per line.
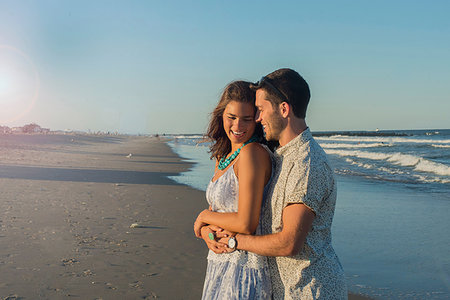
x=270, y=118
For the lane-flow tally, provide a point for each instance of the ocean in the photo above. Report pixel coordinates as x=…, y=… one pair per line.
x=391, y=223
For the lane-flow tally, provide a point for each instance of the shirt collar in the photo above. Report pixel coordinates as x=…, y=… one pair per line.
x=295, y=143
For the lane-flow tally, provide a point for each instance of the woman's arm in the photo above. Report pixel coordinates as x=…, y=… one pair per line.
x=253, y=170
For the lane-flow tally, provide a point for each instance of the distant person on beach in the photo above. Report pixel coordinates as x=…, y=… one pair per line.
x=296, y=221
x=235, y=195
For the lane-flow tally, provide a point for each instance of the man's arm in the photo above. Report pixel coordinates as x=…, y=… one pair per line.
x=297, y=221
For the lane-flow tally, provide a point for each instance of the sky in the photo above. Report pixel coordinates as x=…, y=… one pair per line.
x=145, y=67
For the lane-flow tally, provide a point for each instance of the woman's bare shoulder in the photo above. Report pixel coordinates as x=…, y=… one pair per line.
x=256, y=151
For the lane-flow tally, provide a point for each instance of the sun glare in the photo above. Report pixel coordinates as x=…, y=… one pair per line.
x=19, y=85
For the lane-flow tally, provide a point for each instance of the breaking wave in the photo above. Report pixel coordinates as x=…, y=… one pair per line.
x=187, y=136
x=380, y=139
x=346, y=145
x=406, y=160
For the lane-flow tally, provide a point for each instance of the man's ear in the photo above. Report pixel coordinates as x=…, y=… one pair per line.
x=285, y=108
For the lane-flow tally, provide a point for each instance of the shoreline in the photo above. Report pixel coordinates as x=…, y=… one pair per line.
x=66, y=215
x=80, y=217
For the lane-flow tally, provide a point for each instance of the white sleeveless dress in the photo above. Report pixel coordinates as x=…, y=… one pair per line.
x=240, y=274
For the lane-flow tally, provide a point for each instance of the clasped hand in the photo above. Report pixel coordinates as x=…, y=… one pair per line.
x=220, y=242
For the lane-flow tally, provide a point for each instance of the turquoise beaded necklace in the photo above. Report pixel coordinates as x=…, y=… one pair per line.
x=225, y=162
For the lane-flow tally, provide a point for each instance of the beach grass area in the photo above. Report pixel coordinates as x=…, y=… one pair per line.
x=95, y=217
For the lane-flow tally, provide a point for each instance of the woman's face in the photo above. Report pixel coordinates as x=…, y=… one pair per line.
x=239, y=121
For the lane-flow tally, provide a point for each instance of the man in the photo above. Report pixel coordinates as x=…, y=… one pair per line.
x=296, y=220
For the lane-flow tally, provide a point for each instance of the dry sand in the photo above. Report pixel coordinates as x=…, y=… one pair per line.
x=81, y=218
x=66, y=207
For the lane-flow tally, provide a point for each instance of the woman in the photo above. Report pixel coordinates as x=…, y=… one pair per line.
x=235, y=195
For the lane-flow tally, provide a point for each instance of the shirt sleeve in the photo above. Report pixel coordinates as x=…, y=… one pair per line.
x=309, y=183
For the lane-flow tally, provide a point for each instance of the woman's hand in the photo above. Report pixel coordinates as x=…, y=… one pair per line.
x=222, y=233
x=198, y=224
x=213, y=245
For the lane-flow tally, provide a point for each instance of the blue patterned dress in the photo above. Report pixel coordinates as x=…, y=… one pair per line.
x=240, y=274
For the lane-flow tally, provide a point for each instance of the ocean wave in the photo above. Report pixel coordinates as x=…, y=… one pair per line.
x=395, y=172
x=380, y=139
x=406, y=160
x=359, y=145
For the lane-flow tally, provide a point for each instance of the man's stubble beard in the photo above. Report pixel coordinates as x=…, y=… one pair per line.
x=276, y=127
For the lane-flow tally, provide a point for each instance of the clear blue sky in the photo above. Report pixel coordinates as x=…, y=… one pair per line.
x=159, y=66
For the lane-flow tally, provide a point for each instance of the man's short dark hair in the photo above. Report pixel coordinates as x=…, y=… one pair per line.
x=286, y=85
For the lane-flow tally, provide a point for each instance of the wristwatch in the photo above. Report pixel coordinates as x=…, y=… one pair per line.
x=232, y=243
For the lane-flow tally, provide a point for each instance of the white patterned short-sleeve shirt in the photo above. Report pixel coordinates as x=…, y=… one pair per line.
x=303, y=175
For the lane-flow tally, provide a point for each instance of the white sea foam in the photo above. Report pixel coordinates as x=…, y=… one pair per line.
x=371, y=166
x=432, y=167
x=431, y=179
x=346, y=145
x=187, y=136
x=359, y=164
x=391, y=171
x=432, y=133
x=381, y=139
x=419, y=163
x=440, y=146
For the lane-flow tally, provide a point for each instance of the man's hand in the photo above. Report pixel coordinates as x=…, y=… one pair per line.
x=224, y=241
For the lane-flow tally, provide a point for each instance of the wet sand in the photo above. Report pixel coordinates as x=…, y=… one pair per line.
x=81, y=218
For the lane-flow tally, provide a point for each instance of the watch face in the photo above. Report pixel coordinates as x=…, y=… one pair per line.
x=232, y=243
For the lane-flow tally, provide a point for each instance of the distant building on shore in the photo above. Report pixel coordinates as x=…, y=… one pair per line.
x=5, y=130
x=29, y=128
x=17, y=130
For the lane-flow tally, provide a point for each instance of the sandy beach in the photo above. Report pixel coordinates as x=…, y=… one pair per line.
x=82, y=218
